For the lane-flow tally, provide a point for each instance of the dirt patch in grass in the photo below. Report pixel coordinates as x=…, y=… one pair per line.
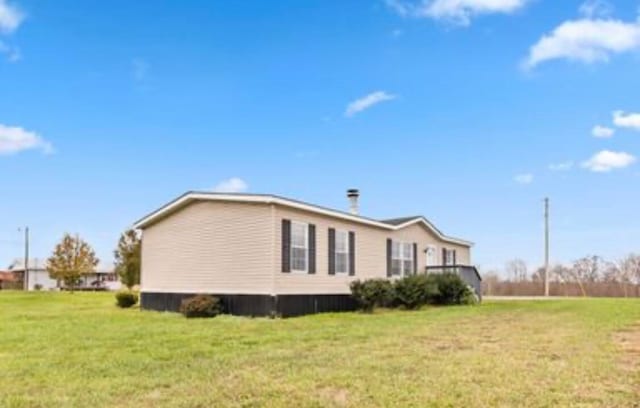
x=629, y=342
x=338, y=397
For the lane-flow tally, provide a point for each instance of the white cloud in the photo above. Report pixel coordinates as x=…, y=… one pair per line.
x=139, y=69
x=607, y=160
x=232, y=185
x=602, y=132
x=563, y=166
x=526, y=178
x=12, y=53
x=626, y=120
x=16, y=139
x=366, y=102
x=10, y=17
x=455, y=11
x=586, y=40
x=596, y=8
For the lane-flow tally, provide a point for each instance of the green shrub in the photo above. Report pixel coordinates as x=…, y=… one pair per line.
x=37, y=287
x=126, y=298
x=201, y=306
x=414, y=291
x=470, y=298
x=452, y=290
x=372, y=293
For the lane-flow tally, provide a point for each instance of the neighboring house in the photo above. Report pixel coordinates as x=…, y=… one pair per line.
x=38, y=278
x=8, y=280
x=269, y=255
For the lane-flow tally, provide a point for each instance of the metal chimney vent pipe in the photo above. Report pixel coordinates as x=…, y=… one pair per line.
x=353, y=195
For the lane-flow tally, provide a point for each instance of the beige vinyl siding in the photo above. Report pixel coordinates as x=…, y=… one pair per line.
x=419, y=234
x=210, y=247
x=370, y=257
x=235, y=248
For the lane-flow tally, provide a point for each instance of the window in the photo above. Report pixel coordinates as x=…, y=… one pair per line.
x=431, y=255
x=401, y=258
x=342, y=252
x=299, y=247
x=449, y=256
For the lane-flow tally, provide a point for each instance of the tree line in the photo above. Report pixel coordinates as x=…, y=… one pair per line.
x=624, y=272
x=73, y=258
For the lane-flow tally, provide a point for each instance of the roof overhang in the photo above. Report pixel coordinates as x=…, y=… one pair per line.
x=190, y=197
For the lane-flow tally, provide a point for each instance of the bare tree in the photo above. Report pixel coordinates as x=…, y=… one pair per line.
x=490, y=280
x=561, y=274
x=627, y=271
x=587, y=269
x=611, y=272
x=516, y=270
x=630, y=268
x=538, y=275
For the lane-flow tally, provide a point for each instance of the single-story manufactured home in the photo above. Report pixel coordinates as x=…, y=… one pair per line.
x=266, y=255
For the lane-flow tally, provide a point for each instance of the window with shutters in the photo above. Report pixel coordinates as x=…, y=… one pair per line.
x=299, y=247
x=342, y=252
x=401, y=258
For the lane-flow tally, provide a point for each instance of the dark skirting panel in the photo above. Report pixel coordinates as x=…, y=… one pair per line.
x=256, y=305
x=299, y=305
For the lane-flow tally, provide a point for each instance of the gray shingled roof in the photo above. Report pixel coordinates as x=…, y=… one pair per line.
x=190, y=196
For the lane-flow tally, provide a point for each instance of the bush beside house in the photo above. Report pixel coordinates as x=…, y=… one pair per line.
x=413, y=292
x=201, y=306
x=126, y=299
x=373, y=293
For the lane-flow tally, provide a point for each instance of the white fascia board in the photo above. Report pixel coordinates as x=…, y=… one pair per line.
x=269, y=199
x=432, y=228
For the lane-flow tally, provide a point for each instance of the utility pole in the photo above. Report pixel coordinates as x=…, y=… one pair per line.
x=546, y=247
x=26, y=258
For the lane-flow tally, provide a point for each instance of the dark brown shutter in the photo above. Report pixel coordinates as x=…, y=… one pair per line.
x=444, y=256
x=415, y=258
x=286, y=246
x=312, y=249
x=455, y=261
x=332, y=251
x=352, y=253
x=389, y=253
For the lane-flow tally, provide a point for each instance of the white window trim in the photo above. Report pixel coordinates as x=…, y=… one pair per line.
x=432, y=251
x=348, y=259
x=402, y=259
x=448, y=261
x=306, y=247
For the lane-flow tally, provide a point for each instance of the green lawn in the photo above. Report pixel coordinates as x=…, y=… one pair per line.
x=61, y=349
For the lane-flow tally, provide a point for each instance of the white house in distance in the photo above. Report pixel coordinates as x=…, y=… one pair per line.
x=38, y=278
x=270, y=255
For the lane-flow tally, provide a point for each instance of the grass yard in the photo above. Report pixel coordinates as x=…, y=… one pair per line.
x=61, y=349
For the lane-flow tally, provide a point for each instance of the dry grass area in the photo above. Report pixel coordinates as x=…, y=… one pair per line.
x=80, y=350
x=629, y=342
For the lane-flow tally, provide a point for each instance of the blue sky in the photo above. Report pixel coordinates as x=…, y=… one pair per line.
x=469, y=112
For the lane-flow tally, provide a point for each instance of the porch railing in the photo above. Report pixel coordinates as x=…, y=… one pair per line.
x=468, y=273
